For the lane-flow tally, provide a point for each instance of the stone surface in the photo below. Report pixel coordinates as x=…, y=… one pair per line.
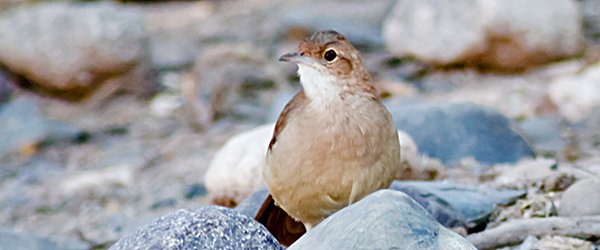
x=69, y=50
x=452, y=131
x=11, y=240
x=581, y=199
x=237, y=81
x=209, y=227
x=22, y=125
x=577, y=95
x=505, y=35
x=383, y=220
x=544, y=134
x=456, y=205
x=253, y=202
x=235, y=170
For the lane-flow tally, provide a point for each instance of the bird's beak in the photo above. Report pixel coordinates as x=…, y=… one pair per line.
x=296, y=58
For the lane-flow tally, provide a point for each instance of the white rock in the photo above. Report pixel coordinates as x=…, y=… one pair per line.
x=506, y=34
x=581, y=199
x=577, y=95
x=120, y=175
x=235, y=170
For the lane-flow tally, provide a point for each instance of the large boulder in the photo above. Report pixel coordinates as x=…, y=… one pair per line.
x=501, y=34
x=69, y=50
x=383, y=220
x=453, y=131
x=209, y=227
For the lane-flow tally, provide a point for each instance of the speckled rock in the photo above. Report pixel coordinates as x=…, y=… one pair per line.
x=385, y=219
x=501, y=34
x=453, y=131
x=581, y=199
x=209, y=227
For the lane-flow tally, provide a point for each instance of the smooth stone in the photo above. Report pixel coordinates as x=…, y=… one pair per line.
x=253, y=202
x=68, y=50
x=577, y=95
x=12, y=240
x=457, y=205
x=22, y=124
x=453, y=131
x=235, y=169
x=497, y=34
x=581, y=199
x=209, y=227
x=385, y=219
x=544, y=134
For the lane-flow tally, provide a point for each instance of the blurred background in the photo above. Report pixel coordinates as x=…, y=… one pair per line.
x=111, y=111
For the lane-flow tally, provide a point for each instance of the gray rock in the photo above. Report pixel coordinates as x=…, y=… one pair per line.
x=22, y=124
x=68, y=50
x=253, y=202
x=209, y=227
x=452, y=131
x=581, y=199
x=502, y=34
x=383, y=220
x=544, y=134
x=11, y=240
x=455, y=205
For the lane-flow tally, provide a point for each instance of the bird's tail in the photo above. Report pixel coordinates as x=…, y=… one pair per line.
x=285, y=229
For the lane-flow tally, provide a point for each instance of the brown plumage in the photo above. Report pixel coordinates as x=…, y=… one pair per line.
x=333, y=144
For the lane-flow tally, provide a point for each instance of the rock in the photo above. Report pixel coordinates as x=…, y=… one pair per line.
x=253, y=202
x=237, y=81
x=383, y=220
x=6, y=86
x=581, y=199
x=12, y=240
x=235, y=170
x=544, y=134
x=359, y=21
x=577, y=95
x=557, y=242
x=453, y=131
x=456, y=205
x=69, y=50
x=209, y=227
x=22, y=126
x=497, y=34
x=525, y=172
x=96, y=181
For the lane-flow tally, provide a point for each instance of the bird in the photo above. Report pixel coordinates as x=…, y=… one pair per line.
x=333, y=143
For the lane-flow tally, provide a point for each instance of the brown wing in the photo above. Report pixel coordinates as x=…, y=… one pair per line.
x=297, y=101
x=282, y=226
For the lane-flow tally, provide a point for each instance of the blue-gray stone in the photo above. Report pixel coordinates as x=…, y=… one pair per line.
x=386, y=219
x=22, y=124
x=252, y=203
x=457, y=205
x=544, y=133
x=11, y=240
x=209, y=227
x=453, y=131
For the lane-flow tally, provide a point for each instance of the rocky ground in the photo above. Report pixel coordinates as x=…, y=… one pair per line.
x=111, y=113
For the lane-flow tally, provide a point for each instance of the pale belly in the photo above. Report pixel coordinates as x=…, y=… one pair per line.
x=319, y=166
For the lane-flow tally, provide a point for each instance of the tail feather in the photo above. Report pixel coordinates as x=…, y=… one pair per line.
x=285, y=229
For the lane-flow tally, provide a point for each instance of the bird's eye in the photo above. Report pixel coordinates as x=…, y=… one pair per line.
x=330, y=55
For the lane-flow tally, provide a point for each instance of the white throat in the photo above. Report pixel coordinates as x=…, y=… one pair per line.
x=318, y=86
